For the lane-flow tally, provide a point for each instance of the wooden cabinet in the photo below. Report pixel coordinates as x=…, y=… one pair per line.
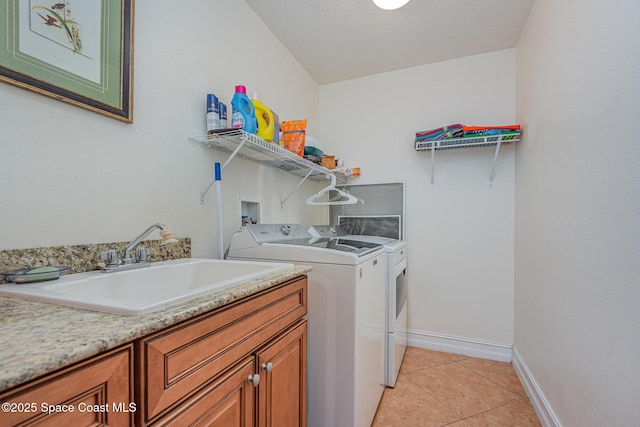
x=243, y=364
x=96, y=392
x=265, y=389
x=185, y=365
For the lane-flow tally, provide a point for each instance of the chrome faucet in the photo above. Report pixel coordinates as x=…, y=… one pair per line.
x=111, y=256
x=127, y=250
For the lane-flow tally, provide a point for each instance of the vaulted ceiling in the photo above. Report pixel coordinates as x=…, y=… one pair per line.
x=338, y=40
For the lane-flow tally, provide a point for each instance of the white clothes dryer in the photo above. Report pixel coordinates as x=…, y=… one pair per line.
x=396, y=327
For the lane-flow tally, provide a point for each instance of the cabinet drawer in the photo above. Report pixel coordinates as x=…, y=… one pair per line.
x=97, y=392
x=176, y=363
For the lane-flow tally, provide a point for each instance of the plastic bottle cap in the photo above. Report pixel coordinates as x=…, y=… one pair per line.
x=256, y=95
x=241, y=89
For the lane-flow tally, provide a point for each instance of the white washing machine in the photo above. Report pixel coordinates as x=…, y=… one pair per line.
x=346, y=370
x=396, y=328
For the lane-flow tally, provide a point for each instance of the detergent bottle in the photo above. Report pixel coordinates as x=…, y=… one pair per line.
x=243, y=114
x=264, y=118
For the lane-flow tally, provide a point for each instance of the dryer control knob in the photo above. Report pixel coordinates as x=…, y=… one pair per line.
x=285, y=229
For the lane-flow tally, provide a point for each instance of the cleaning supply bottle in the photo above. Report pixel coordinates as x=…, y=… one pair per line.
x=264, y=118
x=223, y=115
x=243, y=114
x=213, y=115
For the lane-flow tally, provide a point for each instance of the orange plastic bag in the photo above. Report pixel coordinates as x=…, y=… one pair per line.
x=294, y=133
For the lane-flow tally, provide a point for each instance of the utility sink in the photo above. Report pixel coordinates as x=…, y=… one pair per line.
x=132, y=292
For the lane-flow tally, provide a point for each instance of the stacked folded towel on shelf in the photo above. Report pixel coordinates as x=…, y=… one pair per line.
x=451, y=131
x=476, y=131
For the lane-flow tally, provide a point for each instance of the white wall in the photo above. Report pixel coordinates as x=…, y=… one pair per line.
x=70, y=176
x=460, y=233
x=577, y=246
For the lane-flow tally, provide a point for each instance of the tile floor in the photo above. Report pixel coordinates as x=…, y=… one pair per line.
x=444, y=389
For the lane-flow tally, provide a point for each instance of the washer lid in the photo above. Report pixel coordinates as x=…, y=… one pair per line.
x=373, y=225
x=356, y=247
x=337, y=231
x=295, y=234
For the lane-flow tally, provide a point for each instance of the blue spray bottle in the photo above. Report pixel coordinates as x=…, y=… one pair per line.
x=243, y=114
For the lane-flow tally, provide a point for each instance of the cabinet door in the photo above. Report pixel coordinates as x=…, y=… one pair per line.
x=282, y=392
x=97, y=392
x=227, y=402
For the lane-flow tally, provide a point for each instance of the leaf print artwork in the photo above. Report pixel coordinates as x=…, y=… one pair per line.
x=57, y=24
x=76, y=51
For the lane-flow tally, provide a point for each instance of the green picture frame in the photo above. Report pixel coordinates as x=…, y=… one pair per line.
x=76, y=51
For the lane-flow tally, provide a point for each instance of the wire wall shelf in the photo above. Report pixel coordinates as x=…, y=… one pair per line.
x=249, y=146
x=448, y=144
x=481, y=141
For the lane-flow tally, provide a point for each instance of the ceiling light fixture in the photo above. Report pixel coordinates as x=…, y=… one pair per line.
x=390, y=4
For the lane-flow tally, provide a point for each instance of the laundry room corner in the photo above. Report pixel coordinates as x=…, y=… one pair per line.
x=461, y=228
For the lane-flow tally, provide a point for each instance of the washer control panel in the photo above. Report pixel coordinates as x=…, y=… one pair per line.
x=264, y=233
x=327, y=231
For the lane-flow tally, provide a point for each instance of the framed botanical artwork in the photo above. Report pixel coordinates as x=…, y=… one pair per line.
x=77, y=51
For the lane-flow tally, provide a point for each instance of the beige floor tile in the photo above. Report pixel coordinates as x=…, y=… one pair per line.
x=446, y=389
x=461, y=389
x=502, y=373
x=408, y=405
x=420, y=358
x=516, y=414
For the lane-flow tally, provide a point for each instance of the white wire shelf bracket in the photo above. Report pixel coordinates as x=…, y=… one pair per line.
x=248, y=146
x=453, y=143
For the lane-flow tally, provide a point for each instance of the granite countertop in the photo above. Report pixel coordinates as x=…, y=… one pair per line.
x=38, y=338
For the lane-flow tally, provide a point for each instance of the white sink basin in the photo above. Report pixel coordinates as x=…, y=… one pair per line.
x=143, y=290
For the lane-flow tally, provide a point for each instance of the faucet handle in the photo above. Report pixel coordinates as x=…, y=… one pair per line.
x=142, y=253
x=110, y=257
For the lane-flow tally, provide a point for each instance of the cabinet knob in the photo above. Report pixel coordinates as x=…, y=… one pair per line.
x=267, y=367
x=254, y=379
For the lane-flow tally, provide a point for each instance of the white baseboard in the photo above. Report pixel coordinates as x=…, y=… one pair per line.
x=460, y=345
x=540, y=403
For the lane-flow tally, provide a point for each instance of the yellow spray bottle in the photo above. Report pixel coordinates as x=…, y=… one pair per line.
x=264, y=118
